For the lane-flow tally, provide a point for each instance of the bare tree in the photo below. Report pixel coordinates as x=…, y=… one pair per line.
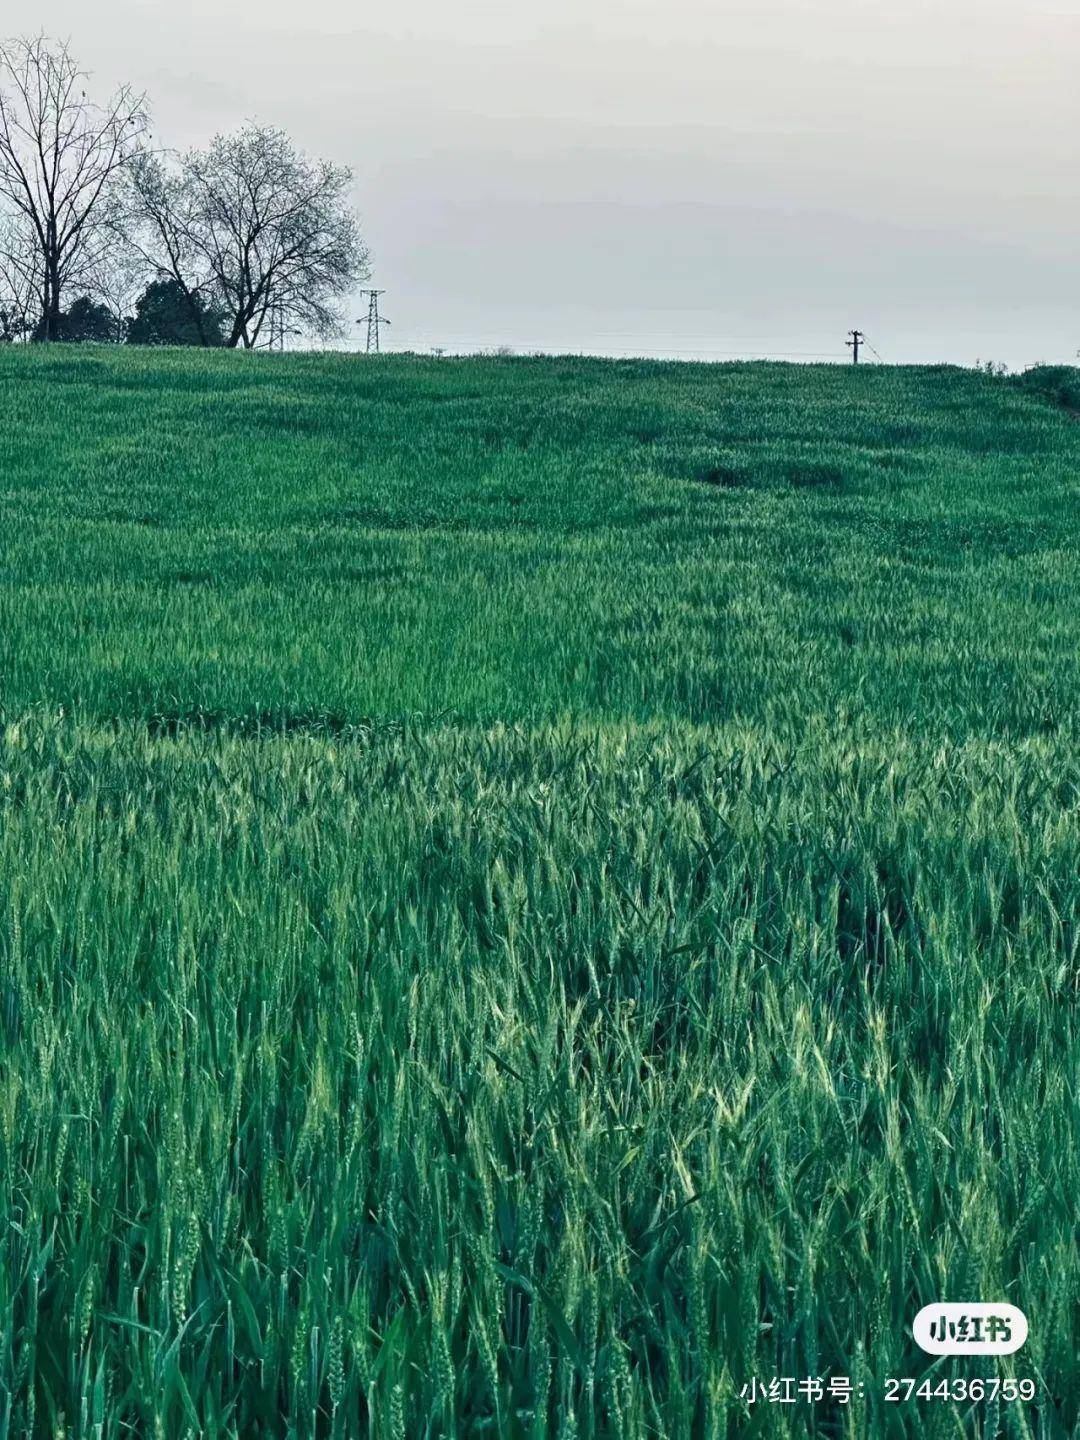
x=60, y=156
x=161, y=225
x=20, y=280
x=253, y=226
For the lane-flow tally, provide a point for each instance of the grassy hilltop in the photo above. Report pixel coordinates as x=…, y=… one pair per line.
x=531, y=893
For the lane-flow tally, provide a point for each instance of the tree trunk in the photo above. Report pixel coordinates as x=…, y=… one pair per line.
x=50, y=313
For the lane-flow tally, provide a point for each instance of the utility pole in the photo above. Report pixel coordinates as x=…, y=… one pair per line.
x=374, y=320
x=857, y=339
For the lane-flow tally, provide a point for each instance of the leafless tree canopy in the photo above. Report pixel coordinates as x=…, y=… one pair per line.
x=254, y=228
x=20, y=279
x=60, y=157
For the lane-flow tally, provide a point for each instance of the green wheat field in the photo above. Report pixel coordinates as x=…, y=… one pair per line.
x=532, y=894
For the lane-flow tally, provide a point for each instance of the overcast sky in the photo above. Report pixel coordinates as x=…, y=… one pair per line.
x=697, y=177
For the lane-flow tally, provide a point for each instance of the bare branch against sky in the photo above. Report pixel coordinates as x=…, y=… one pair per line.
x=257, y=226
x=60, y=156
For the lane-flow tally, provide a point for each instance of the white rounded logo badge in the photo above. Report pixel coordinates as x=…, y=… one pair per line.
x=977, y=1328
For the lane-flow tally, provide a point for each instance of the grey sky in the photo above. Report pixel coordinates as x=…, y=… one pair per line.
x=633, y=176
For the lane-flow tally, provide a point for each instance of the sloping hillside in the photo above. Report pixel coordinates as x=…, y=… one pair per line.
x=317, y=536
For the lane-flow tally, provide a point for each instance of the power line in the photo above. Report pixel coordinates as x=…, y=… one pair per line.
x=498, y=335
x=473, y=344
x=656, y=337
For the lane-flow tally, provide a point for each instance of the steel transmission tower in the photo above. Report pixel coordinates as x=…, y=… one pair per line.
x=374, y=320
